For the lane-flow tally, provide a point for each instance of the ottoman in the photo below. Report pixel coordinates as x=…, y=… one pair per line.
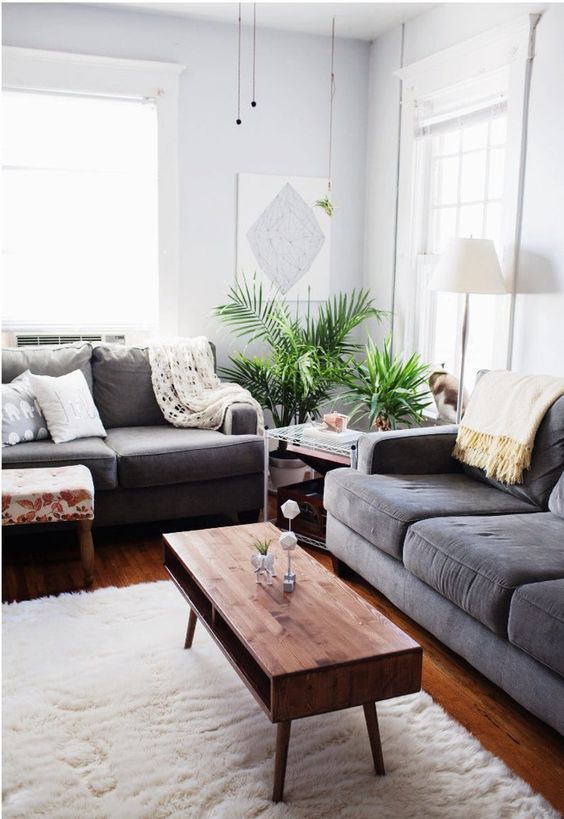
x=52, y=495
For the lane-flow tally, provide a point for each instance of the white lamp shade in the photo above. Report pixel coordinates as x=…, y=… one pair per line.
x=469, y=266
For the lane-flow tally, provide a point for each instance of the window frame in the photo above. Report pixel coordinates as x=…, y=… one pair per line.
x=425, y=301
x=27, y=69
x=509, y=47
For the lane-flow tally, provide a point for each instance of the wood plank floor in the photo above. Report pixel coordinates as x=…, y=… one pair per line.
x=44, y=564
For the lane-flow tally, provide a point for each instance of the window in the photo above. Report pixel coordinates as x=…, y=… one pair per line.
x=91, y=226
x=462, y=155
x=80, y=212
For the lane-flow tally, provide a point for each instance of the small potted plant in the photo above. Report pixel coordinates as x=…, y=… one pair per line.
x=263, y=560
x=388, y=389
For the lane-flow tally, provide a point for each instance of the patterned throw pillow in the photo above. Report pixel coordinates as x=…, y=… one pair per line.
x=22, y=419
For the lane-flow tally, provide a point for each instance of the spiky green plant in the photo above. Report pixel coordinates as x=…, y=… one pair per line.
x=262, y=546
x=326, y=205
x=388, y=389
x=307, y=356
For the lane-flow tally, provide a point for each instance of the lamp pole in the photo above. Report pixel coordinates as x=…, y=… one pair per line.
x=463, y=341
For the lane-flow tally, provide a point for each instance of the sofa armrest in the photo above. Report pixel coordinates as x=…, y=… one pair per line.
x=240, y=419
x=421, y=451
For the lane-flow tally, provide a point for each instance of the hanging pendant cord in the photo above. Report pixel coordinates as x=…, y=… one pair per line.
x=331, y=98
x=238, y=120
x=254, y=101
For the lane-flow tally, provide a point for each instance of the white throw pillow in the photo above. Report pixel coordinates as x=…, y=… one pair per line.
x=68, y=406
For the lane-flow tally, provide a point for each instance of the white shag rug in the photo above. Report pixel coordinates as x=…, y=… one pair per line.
x=106, y=715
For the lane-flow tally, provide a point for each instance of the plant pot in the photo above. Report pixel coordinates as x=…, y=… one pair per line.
x=286, y=469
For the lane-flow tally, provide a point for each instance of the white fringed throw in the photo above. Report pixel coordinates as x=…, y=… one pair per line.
x=187, y=388
x=499, y=427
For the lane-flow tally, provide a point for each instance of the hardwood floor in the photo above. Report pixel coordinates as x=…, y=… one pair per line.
x=38, y=565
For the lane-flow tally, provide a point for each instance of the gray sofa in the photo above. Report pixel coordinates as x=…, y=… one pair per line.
x=145, y=469
x=477, y=563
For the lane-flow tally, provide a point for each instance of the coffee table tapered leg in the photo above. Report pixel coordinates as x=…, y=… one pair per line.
x=374, y=737
x=192, y=620
x=282, y=740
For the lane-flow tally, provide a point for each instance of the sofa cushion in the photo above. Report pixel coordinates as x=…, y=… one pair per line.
x=547, y=461
x=478, y=562
x=556, y=500
x=123, y=390
x=536, y=622
x=92, y=452
x=157, y=456
x=47, y=360
x=381, y=507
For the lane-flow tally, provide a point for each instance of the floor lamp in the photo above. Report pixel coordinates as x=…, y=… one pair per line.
x=467, y=266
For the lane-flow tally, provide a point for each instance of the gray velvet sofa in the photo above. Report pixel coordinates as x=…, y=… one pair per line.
x=478, y=564
x=145, y=469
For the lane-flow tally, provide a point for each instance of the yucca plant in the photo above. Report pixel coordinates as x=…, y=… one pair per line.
x=307, y=356
x=388, y=389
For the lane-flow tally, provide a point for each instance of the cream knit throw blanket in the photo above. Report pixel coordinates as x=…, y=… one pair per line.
x=187, y=389
x=499, y=427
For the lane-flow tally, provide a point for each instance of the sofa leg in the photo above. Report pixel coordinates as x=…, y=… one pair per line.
x=340, y=569
x=249, y=516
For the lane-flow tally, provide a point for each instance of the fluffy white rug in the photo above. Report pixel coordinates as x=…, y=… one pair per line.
x=105, y=715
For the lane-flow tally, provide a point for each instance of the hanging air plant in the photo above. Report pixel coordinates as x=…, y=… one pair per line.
x=326, y=205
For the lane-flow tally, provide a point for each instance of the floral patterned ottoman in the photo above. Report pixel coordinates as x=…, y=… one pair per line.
x=50, y=495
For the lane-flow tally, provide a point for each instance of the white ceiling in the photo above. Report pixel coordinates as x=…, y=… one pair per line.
x=364, y=21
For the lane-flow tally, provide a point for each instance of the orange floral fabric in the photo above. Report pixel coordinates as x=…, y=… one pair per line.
x=47, y=495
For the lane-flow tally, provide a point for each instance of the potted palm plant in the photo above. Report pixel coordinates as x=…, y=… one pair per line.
x=306, y=356
x=388, y=389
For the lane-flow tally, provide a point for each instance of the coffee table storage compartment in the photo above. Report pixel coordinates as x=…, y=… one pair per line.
x=312, y=519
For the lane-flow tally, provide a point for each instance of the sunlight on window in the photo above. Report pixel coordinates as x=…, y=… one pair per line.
x=80, y=207
x=466, y=191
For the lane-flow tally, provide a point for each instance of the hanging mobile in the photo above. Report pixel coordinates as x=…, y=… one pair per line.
x=325, y=203
x=238, y=120
x=254, y=100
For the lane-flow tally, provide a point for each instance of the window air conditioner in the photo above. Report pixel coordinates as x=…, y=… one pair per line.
x=38, y=339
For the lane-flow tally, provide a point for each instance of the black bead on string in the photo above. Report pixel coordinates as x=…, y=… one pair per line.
x=254, y=102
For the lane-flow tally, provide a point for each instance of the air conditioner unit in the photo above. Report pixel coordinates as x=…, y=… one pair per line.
x=39, y=339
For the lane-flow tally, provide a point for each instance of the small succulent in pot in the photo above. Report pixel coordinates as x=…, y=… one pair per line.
x=262, y=545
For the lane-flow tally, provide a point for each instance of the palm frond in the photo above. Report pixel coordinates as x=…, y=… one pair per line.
x=252, y=312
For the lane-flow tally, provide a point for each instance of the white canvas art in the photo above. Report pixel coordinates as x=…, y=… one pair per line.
x=281, y=235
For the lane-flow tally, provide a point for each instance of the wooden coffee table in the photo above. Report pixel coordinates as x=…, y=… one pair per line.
x=318, y=649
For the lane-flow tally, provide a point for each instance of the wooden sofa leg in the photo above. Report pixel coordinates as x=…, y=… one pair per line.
x=86, y=550
x=249, y=516
x=340, y=569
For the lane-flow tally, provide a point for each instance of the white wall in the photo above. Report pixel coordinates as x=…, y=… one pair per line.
x=285, y=134
x=539, y=325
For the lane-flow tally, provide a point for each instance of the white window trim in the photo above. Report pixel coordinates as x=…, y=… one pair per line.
x=53, y=71
x=509, y=45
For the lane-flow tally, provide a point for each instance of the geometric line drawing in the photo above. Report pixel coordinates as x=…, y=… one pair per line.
x=286, y=238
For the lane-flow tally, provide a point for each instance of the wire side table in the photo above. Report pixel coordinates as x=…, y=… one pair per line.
x=306, y=439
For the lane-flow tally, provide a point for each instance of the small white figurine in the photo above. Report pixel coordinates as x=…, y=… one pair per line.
x=289, y=541
x=263, y=561
x=264, y=565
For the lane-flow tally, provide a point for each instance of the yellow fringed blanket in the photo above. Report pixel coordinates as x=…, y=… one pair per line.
x=499, y=427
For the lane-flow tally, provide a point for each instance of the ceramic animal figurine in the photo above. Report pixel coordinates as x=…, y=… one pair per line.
x=264, y=566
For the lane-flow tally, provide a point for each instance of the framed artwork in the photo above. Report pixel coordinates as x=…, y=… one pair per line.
x=281, y=236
